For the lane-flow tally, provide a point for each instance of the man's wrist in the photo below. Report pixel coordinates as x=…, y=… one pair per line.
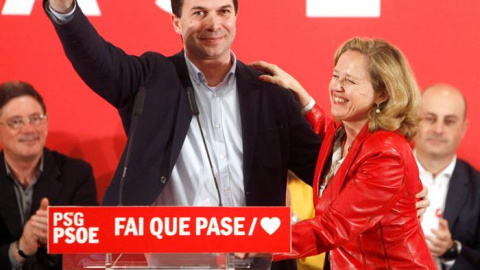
x=20, y=251
x=453, y=252
x=15, y=260
x=60, y=18
x=61, y=8
x=309, y=106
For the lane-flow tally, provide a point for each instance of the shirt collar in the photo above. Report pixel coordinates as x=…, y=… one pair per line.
x=198, y=77
x=447, y=172
x=37, y=172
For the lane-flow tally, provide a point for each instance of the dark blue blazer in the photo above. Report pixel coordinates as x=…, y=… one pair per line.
x=64, y=181
x=462, y=211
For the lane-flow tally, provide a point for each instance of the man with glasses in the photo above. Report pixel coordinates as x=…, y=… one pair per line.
x=31, y=177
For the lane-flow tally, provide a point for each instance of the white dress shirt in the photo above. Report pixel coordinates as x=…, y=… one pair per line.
x=191, y=182
x=437, y=193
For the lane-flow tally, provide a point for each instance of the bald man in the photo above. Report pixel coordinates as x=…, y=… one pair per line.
x=452, y=222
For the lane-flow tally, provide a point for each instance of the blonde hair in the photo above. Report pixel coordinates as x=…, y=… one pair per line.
x=390, y=72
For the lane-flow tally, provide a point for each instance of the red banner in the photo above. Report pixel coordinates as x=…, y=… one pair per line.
x=168, y=229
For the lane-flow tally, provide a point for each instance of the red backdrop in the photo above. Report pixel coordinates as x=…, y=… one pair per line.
x=441, y=39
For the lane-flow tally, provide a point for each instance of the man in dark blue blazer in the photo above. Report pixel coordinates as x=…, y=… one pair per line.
x=454, y=185
x=275, y=134
x=268, y=126
x=30, y=174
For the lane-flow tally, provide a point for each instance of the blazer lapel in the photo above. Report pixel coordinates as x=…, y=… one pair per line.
x=48, y=185
x=323, y=159
x=9, y=211
x=184, y=113
x=352, y=152
x=457, y=195
x=338, y=180
x=248, y=97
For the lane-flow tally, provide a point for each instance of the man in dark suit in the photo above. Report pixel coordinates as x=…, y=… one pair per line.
x=32, y=175
x=454, y=185
x=254, y=131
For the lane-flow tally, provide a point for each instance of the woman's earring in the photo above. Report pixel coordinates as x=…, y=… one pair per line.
x=377, y=111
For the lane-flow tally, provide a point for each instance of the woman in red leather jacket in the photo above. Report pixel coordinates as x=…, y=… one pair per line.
x=366, y=176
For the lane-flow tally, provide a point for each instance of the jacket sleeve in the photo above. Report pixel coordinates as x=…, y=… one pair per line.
x=105, y=68
x=375, y=185
x=86, y=191
x=304, y=144
x=4, y=260
x=318, y=120
x=469, y=257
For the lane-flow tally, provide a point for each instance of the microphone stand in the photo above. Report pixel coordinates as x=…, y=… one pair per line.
x=196, y=113
x=137, y=111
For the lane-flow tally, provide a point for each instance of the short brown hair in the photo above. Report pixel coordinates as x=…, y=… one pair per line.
x=178, y=4
x=13, y=89
x=390, y=72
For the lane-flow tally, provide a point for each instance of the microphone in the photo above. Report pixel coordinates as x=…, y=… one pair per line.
x=137, y=111
x=196, y=113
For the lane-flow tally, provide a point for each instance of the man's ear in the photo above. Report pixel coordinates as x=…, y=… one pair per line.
x=177, y=24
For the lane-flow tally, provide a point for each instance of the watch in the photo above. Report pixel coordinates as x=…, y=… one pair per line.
x=20, y=251
x=453, y=252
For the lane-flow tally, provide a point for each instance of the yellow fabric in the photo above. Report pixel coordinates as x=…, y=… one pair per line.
x=301, y=200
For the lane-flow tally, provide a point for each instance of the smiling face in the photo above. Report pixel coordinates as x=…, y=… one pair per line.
x=207, y=28
x=443, y=122
x=27, y=142
x=351, y=92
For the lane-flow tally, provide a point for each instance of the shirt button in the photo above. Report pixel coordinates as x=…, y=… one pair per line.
x=226, y=188
x=217, y=126
x=214, y=94
x=222, y=157
x=163, y=179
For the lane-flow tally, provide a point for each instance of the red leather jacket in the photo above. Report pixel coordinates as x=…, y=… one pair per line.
x=366, y=216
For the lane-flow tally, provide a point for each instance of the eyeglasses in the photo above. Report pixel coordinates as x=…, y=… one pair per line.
x=19, y=122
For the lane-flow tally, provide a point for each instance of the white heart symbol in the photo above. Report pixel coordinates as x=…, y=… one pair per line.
x=270, y=225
